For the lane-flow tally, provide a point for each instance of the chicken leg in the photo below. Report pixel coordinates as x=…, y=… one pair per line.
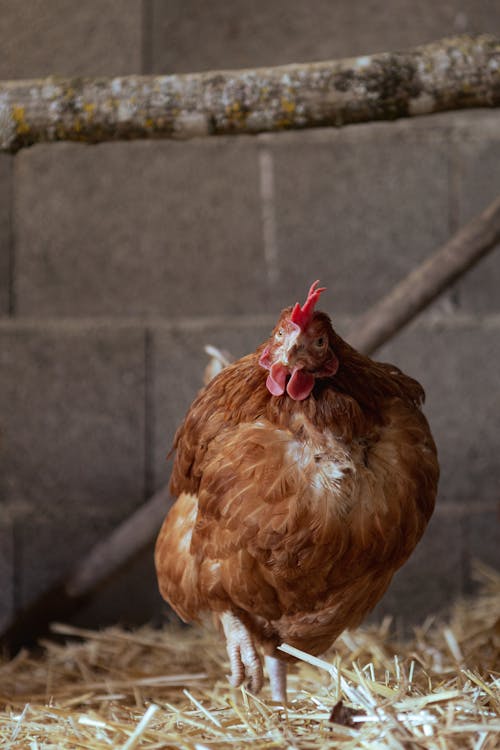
x=243, y=656
x=276, y=669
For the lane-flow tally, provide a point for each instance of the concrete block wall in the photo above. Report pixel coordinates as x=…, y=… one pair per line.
x=118, y=262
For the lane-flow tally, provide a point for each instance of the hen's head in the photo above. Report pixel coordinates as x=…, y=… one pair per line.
x=300, y=349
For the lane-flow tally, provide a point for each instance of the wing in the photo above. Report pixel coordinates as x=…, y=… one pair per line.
x=193, y=577
x=235, y=395
x=176, y=569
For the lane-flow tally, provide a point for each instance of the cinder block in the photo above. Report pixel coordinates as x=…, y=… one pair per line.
x=5, y=231
x=430, y=580
x=242, y=35
x=178, y=363
x=358, y=208
x=477, y=165
x=456, y=364
x=66, y=39
x=140, y=228
x=73, y=432
x=6, y=569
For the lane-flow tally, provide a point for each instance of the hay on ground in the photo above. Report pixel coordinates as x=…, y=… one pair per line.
x=167, y=689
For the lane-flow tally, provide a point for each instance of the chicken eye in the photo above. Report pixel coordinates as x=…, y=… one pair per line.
x=280, y=333
x=320, y=342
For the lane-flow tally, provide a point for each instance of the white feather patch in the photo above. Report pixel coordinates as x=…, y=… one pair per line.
x=323, y=472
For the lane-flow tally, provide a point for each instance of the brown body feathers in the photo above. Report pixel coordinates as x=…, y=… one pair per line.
x=295, y=514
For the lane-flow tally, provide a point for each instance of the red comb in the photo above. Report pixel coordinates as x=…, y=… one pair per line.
x=302, y=315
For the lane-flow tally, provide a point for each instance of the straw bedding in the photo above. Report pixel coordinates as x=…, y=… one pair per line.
x=167, y=689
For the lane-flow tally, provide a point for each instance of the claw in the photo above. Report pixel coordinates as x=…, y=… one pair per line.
x=243, y=657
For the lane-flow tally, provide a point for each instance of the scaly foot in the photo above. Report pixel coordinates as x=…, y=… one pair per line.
x=243, y=657
x=276, y=669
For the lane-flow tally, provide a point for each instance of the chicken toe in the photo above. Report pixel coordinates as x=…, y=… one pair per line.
x=243, y=657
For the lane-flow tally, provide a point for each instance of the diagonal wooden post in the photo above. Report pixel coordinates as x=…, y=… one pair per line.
x=415, y=292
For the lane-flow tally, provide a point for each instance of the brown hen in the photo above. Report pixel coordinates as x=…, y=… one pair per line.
x=305, y=475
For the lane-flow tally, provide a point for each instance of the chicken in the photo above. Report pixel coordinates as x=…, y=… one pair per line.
x=305, y=474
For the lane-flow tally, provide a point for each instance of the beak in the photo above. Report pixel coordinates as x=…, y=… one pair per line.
x=291, y=355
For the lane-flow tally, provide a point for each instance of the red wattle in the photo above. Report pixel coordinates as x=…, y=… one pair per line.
x=276, y=380
x=300, y=384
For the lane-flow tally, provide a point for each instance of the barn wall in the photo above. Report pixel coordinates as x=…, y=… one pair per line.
x=118, y=262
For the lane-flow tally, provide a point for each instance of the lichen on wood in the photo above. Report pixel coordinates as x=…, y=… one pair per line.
x=454, y=73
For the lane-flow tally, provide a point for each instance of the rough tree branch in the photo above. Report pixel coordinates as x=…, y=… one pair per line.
x=455, y=73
